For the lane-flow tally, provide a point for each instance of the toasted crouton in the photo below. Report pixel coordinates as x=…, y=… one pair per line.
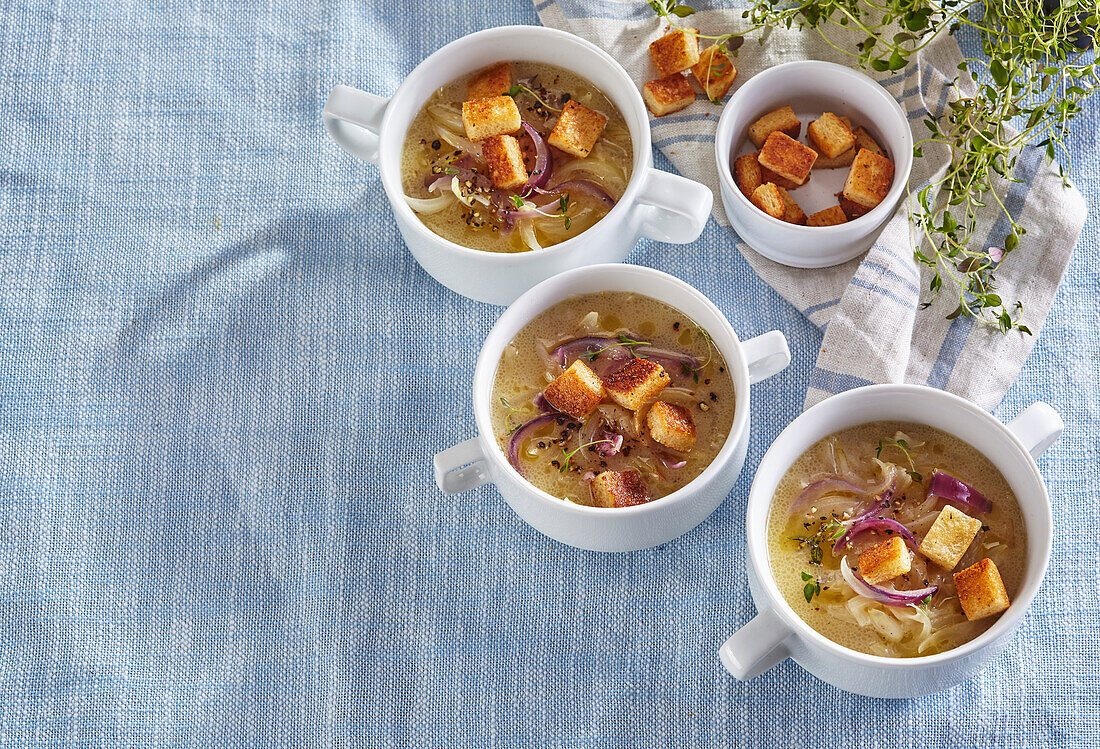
x=671, y=425
x=675, y=52
x=494, y=80
x=782, y=119
x=715, y=72
x=576, y=391
x=869, y=180
x=505, y=159
x=669, y=94
x=768, y=199
x=864, y=140
x=824, y=162
x=831, y=136
x=787, y=157
x=767, y=175
x=949, y=537
x=619, y=489
x=885, y=561
x=792, y=211
x=636, y=383
x=746, y=173
x=828, y=217
x=484, y=118
x=577, y=129
x=851, y=209
x=981, y=590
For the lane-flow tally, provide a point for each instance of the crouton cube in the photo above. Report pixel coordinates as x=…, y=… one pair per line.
x=831, y=136
x=669, y=94
x=767, y=175
x=484, y=118
x=824, y=162
x=981, y=590
x=864, y=140
x=637, y=383
x=577, y=129
x=792, y=211
x=715, y=72
x=949, y=537
x=494, y=80
x=885, y=561
x=576, y=391
x=768, y=199
x=851, y=209
x=787, y=157
x=619, y=489
x=675, y=52
x=828, y=217
x=505, y=159
x=869, y=180
x=671, y=425
x=782, y=119
x=746, y=173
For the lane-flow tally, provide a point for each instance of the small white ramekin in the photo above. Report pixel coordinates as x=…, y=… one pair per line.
x=820, y=86
x=778, y=633
x=656, y=204
x=480, y=460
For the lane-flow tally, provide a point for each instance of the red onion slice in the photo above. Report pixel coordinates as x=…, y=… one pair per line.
x=590, y=189
x=835, y=485
x=670, y=462
x=868, y=524
x=612, y=445
x=951, y=489
x=523, y=433
x=672, y=361
x=884, y=595
x=544, y=164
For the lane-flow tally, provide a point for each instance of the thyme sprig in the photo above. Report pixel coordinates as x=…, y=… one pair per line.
x=1037, y=71
x=812, y=586
x=569, y=455
x=624, y=340
x=563, y=208
x=519, y=88
x=903, y=447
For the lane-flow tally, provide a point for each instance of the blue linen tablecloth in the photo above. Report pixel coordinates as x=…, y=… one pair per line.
x=223, y=378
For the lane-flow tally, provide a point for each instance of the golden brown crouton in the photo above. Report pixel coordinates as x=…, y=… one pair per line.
x=885, y=561
x=851, y=209
x=619, y=489
x=949, y=537
x=715, y=72
x=669, y=94
x=494, y=80
x=768, y=199
x=782, y=119
x=831, y=136
x=869, y=180
x=981, y=590
x=675, y=52
x=671, y=425
x=787, y=157
x=505, y=159
x=864, y=140
x=767, y=175
x=746, y=173
x=828, y=217
x=792, y=211
x=636, y=383
x=577, y=129
x=484, y=118
x=576, y=391
x=844, y=159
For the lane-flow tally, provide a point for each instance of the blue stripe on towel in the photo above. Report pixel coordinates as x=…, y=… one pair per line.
x=888, y=273
x=818, y=307
x=883, y=292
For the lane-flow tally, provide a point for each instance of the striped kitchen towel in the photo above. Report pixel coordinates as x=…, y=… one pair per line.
x=868, y=308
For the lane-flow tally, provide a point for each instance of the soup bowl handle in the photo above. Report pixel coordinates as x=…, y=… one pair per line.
x=1038, y=426
x=461, y=467
x=757, y=646
x=353, y=118
x=672, y=208
x=766, y=355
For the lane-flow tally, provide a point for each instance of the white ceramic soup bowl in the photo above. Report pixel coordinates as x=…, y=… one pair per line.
x=480, y=460
x=656, y=204
x=814, y=86
x=777, y=632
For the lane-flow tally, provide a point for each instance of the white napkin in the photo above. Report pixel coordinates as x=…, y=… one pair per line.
x=868, y=307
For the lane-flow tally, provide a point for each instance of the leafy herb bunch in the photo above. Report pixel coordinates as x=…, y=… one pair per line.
x=1039, y=66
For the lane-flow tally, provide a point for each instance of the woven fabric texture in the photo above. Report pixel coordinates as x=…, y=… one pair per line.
x=224, y=377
